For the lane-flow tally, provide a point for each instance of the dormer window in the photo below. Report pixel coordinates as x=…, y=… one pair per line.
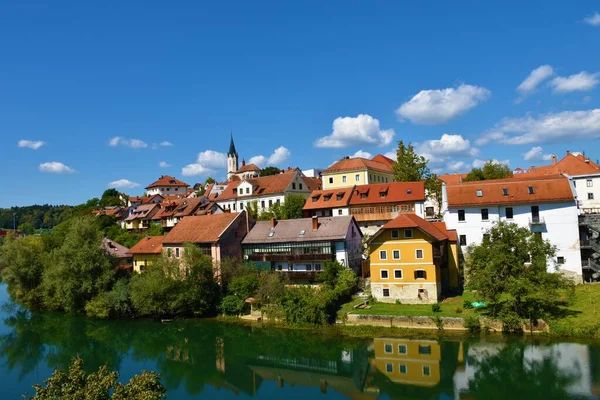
x=363, y=196
x=234, y=191
x=315, y=198
x=339, y=196
x=504, y=191
x=408, y=191
x=326, y=198
x=530, y=190
x=479, y=193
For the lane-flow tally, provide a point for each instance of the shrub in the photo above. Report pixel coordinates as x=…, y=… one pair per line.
x=436, y=307
x=231, y=305
x=473, y=324
x=511, y=322
x=398, y=302
x=438, y=322
x=459, y=310
x=467, y=304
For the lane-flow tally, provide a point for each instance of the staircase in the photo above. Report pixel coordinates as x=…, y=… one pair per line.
x=591, y=220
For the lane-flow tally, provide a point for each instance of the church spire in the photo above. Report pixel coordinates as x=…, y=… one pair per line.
x=232, y=151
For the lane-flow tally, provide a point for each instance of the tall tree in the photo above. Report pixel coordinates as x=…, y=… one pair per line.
x=409, y=166
x=267, y=171
x=292, y=206
x=210, y=180
x=490, y=170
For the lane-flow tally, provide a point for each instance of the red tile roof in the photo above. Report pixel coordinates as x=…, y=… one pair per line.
x=144, y=211
x=248, y=168
x=264, y=185
x=452, y=179
x=313, y=183
x=167, y=181
x=405, y=221
x=356, y=164
x=201, y=229
x=451, y=234
x=393, y=192
x=546, y=189
x=148, y=245
x=115, y=249
x=572, y=164
x=320, y=199
x=380, y=158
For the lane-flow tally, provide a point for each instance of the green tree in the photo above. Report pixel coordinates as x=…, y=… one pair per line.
x=252, y=209
x=210, y=180
x=275, y=211
x=98, y=385
x=433, y=185
x=24, y=262
x=409, y=166
x=292, y=206
x=509, y=271
x=268, y=171
x=111, y=197
x=490, y=170
x=27, y=228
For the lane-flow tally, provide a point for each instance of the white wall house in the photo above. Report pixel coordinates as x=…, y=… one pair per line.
x=168, y=186
x=587, y=188
x=545, y=205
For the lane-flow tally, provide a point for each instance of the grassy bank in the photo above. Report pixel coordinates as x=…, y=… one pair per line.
x=582, y=317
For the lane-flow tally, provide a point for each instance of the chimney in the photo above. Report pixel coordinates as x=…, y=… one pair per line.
x=553, y=159
x=273, y=222
x=243, y=163
x=568, y=151
x=315, y=223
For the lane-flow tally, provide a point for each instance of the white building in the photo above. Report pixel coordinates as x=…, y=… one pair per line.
x=546, y=205
x=168, y=186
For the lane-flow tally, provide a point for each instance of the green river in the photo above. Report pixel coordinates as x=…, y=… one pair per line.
x=214, y=360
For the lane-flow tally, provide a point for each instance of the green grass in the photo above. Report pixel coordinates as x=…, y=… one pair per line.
x=584, y=310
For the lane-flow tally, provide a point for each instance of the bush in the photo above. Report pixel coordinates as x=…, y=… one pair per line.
x=438, y=322
x=231, y=305
x=398, y=302
x=511, y=322
x=436, y=307
x=459, y=310
x=467, y=304
x=473, y=324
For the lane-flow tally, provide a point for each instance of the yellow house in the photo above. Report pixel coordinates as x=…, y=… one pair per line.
x=413, y=260
x=358, y=171
x=146, y=251
x=409, y=362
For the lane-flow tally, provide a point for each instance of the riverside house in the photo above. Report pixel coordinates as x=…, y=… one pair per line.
x=146, y=252
x=300, y=247
x=413, y=260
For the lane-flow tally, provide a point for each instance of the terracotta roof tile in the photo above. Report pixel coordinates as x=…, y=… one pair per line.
x=546, y=189
x=452, y=179
x=441, y=226
x=262, y=185
x=148, y=245
x=380, y=158
x=320, y=199
x=248, y=168
x=393, y=192
x=355, y=164
x=572, y=164
x=144, y=211
x=330, y=228
x=405, y=221
x=313, y=183
x=115, y=249
x=201, y=229
x=167, y=181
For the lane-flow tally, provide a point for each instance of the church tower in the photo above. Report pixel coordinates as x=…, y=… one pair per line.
x=232, y=160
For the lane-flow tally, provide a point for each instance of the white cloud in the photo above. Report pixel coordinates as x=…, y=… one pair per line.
x=207, y=162
x=478, y=163
x=166, y=144
x=536, y=77
x=164, y=164
x=133, y=143
x=123, y=184
x=55, y=167
x=362, y=154
x=441, y=105
x=593, y=20
x=547, y=128
x=577, y=82
x=31, y=144
x=356, y=131
x=448, y=146
x=280, y=155
x=536, y=153
x=391, y=155
x=456, y=166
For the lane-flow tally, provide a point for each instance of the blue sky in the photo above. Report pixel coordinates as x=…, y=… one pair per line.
x=113, y=89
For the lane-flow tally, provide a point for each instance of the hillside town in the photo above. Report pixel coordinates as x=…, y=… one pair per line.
x=407, y=243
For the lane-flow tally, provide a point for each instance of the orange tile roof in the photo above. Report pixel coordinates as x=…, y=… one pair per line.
x=144, y=211
x=355, y=164
x=248, y=168
x=380, y=158
x=395, y=192
x=452, y=179
x=167, y=181
x=313, y=183
x=450, y=233
x=546, y=189
x=572, y=164
x=320, y=199
x=148, y=245
x=405, y=221
x=201, y=229
x=262, y=185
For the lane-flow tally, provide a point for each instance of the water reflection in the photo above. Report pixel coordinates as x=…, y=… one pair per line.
x=200, y=357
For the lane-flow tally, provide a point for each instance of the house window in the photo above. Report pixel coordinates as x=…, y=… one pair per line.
x=384, y=274
x=344, y=179
x=241, y=206
x=270, y=203
x=395, y=234
x=589, y=183
x=509, y=213
x=340, y=212
x=397, y=274
x=357, y=177
x=331, y=180
x=426, y=370
x=389, y=367
x=408, y=191
x=386, y=292
x=396, y=254
x=383, y=255
x=262, y=204
x=363, y=196
x=402, y=349
x=504, y=191
x=424, y=349
x=317, y=267
x=560, y=260
x=479, y=193
x=280, y=267
x=294, y=185
x=247, y=190
x=530, y=190
x=463, y=240
x=484, y=214
x=420, y=274
x=408, y=233
x=590, y=196
x=300, y=186
x=419, y=254
x=429, y=211
x=177, y=252
x=461, y=215
x=388, y=348
x=402, y=368
x=233, y=206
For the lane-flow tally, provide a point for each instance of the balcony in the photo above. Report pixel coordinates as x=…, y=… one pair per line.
x=300, y=275
x=536, y=221
x=290, y=257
